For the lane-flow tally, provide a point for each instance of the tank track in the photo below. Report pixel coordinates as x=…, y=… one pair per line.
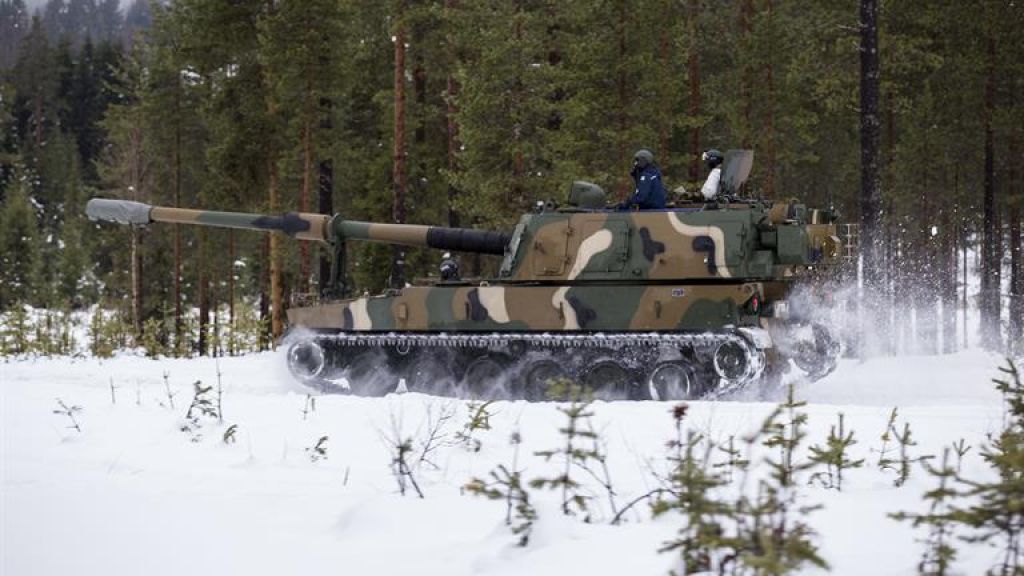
x=612, y=365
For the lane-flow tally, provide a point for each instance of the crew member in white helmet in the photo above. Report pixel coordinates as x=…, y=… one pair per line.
x=713, y=158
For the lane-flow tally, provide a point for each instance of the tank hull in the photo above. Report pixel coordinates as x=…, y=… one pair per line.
x=621, y=341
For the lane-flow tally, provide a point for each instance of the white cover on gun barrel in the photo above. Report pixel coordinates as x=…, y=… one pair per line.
x=120, y=211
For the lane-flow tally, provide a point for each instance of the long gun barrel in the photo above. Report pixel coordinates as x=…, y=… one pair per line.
x=304, y=226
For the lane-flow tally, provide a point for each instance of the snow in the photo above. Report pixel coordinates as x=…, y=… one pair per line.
x=133, y=494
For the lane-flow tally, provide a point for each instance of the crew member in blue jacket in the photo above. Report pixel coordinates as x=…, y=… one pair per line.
x=649, y=193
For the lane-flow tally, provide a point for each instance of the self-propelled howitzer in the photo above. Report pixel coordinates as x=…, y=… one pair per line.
x=691, y=301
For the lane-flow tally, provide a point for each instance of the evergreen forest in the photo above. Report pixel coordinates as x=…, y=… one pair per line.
x=468, y=112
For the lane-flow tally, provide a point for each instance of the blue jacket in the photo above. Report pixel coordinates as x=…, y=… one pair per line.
x=649, y=193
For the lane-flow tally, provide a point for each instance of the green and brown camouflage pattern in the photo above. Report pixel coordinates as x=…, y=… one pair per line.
x=516, y=308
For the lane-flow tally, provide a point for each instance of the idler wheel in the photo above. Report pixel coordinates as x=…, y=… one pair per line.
x=818, y=354
x=672, y=381
x=732, y=361
x=484, y=377
x=537, y=378
x=306, y=360
x=609, y=380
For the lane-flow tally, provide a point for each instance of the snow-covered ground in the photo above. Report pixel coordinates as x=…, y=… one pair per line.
x=133, y=494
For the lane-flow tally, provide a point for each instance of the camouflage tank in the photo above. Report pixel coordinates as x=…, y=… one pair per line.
x=690, y=301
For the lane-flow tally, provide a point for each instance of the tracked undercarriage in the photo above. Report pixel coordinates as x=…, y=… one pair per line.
x=495, y=366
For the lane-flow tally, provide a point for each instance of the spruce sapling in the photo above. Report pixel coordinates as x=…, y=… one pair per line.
x=885, y=462
x=200, y=407
x=771, y=536
x=689, y=490
x=906, y=441
x=571, y=453
x=69, y=412
x=834, y=456
x=507, y=484
x=998, y=510
x=787, y=437
x=939, y=551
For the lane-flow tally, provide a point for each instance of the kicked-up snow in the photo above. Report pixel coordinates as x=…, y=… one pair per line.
x=134, y=494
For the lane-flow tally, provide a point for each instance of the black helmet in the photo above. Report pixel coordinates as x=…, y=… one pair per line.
x=643, y=158
x=713, y=158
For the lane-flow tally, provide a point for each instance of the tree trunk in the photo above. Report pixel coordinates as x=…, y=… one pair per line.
x=178, y=323
x=624, y=183
x=203, y=296
x=990, y=337
x=451, y=122
x=399, y=168
x=870, y=185
x=769, y=122
x=664, y=53
x=693, y=79
x=746, y=77
x=231, y=293
x=1016, y=305
x=325, y=191
x=305, y=266
x=263, y=342
x=947, y=271
x=276, y=301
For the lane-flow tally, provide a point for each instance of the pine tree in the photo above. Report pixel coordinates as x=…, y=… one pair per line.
x=19, y=247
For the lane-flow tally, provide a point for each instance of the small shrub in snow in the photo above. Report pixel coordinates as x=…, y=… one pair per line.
x=201, y=407
x=69, y=412
x=401, y=448
x=436, y=435
x=834, y=456
x=506, y=484
x=309, y=406
x=318, y=451
x=479, y=421
x=167, y=390
x=230, y=435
